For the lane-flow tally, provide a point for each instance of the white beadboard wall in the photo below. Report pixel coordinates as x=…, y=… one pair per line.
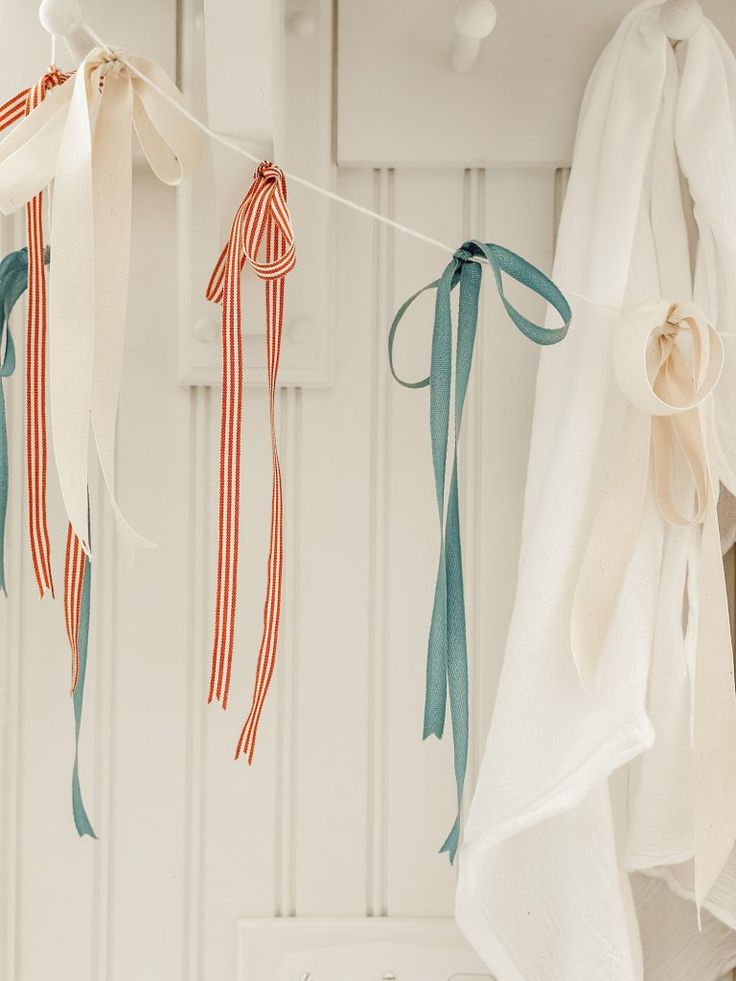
x=345, y=807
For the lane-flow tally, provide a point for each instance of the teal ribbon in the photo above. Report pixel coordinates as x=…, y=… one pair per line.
x=13, y=284
x=81, y=821
x=447, y=656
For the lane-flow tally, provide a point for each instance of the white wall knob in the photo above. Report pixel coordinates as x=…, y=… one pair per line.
x=680, y=19
x=474, y=21
x=60, y=17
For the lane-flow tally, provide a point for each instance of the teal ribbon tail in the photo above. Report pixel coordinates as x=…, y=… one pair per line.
x=81, y=820
x=13, y=283
x=447, y=652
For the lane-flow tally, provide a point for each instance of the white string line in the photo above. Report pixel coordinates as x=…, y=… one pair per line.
x=294, y=178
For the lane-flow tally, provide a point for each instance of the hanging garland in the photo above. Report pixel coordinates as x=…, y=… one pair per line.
x=75, y=130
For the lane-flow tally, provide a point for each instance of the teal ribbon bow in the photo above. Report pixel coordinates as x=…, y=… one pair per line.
x=13, y=284
x=447, y=656
x=81, y=821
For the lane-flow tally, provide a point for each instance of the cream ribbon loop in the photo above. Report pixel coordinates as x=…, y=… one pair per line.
x=81, y=137
x=668, y=360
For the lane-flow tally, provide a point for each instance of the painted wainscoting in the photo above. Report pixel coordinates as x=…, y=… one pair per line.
x=345, y=807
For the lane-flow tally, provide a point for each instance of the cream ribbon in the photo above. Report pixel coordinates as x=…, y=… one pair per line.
x=80, y=136
x=668, y=360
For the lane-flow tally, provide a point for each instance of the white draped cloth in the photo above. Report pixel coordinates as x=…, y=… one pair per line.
x=583, y=851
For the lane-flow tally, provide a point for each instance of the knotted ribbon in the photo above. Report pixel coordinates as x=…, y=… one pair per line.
x=447, y=657
x=13, y=282
x=35, y=346
x=668, y=360
x=262, y=219
x=80, y=136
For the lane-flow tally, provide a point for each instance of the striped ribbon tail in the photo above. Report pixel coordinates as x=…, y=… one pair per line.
x=261, y=220
x=74, y=575
x=36, y=339
x=447, y=655
x=77, y=599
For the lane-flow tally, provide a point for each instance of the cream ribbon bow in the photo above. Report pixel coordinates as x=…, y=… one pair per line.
x=80, y=137
x=668, y=360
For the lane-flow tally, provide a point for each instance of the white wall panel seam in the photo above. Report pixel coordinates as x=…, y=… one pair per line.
x=377, y=902
x=199, y=523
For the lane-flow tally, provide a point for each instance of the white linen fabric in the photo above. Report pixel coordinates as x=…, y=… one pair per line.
x=578, y=856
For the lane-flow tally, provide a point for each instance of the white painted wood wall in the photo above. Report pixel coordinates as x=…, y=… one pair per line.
x=345, y=808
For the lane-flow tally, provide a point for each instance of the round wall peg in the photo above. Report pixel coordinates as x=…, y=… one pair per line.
x=474, y=21
x=60, y=17
x=680, y=19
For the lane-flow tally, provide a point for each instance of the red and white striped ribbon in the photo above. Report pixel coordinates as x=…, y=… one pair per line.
x=14, y=109
x=74, y=571
x=36, y=442
x=11, y=112
x=36, y=334
x=262, y=219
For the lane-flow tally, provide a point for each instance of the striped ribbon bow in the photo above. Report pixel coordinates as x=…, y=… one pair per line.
x=447, y=656
x=262, y=218
x=35, y=345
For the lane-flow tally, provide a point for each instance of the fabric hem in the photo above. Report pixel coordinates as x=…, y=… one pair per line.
x=566, y=795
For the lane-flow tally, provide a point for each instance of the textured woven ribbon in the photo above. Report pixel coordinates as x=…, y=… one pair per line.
x=80, y=136
x=668, y=360
x=261, y=225
x=35, y=346
x=13, y=283
x=447, y=658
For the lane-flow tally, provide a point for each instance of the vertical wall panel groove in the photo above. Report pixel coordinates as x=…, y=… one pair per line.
x=383, y=189
x=287, y=813
x=200, y=522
